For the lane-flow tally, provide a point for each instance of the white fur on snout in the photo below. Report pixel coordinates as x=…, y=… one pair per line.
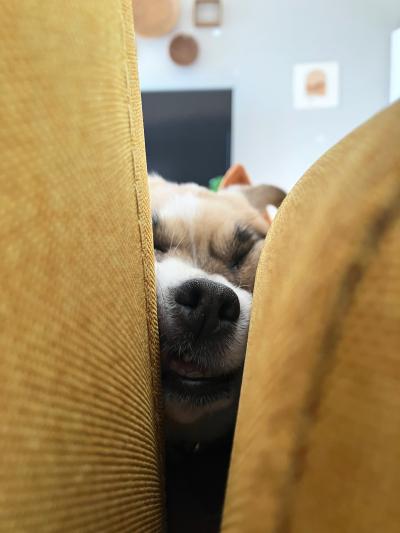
x=172, y=272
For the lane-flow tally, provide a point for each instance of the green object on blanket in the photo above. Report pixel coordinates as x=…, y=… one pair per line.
x=214, y=183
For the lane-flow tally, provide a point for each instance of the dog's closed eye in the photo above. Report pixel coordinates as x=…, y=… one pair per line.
x=160, y=237
x=238, y=248
x=239, y=257
x=243, y=242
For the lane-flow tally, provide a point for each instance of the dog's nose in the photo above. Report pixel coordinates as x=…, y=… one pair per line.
x=205, y=306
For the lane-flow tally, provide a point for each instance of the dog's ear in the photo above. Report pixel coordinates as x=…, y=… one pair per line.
x=259, y=196
x=236, y=175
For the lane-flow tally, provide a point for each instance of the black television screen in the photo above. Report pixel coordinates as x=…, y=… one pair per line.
x=188, y=134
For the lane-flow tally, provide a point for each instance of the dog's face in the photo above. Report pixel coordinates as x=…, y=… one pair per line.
x=207, y=246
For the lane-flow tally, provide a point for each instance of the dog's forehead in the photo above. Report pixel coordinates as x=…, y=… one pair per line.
x=191, y=204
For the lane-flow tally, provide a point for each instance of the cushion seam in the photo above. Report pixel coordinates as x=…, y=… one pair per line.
x=152, y=339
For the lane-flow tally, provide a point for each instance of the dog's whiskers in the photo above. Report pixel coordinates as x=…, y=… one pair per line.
x=179, y=243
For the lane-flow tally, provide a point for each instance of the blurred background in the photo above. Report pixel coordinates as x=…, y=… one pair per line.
x=271, y=84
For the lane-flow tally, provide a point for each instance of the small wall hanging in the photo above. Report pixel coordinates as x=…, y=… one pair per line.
x=207, y=13
x=183, y=49
x=154, y=18
x=316, y=85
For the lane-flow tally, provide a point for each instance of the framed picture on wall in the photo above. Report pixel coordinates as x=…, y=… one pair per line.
x=316, y=85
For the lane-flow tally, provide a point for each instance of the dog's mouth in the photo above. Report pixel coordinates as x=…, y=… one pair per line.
x=190, y=370
x=190, y=381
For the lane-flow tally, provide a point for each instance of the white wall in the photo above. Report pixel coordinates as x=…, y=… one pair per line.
x=395, y=67
x=254, y=53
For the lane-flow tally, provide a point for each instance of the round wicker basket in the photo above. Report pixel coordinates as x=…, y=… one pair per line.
x=154, y=18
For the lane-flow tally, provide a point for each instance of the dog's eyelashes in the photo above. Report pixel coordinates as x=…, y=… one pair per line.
x=239, y=259
x=159, y=236
x=236, y=251
x=160, y=242
x=158, y=247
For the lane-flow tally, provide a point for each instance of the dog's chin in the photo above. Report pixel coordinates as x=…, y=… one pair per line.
x=200, y=399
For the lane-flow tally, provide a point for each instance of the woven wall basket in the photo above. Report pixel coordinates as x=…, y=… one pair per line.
x=154, y=18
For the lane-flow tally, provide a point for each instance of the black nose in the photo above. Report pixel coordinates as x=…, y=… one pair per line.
x=206, y=306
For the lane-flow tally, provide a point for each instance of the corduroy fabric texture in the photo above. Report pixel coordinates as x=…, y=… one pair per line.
x=317, y=443
x=79, y=433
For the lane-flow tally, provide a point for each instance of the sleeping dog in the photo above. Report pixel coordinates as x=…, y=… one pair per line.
x=207, y=246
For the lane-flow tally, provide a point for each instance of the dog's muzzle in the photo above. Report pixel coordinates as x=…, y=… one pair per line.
x=206, y=308
x=195, y=338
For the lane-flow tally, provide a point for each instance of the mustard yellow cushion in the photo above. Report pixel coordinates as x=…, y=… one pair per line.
x=317, y=447
x=79, y=392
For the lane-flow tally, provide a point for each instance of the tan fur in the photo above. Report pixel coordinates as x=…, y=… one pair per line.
x=204, y=238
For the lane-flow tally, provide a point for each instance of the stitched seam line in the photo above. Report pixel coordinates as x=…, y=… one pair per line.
x=152, y=339
x=352, y=277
